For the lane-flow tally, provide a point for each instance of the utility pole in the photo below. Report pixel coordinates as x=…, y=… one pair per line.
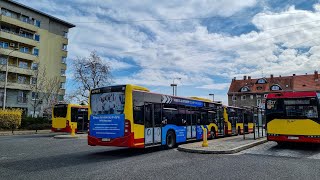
x=212, y=96
x=174, y=87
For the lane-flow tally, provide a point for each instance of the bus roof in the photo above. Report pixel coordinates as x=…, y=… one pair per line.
x=282, y=95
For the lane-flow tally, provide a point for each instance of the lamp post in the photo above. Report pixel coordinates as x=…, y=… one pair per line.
x=6, y=81
x=174, y=87
x=211, y=94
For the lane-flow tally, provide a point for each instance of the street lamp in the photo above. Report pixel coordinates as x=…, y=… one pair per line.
x=212, y=97
x=174, y=87
x=6, y=81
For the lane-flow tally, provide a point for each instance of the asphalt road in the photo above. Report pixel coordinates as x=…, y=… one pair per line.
x=42, y=157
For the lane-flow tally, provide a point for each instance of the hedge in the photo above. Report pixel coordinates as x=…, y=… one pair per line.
x=10, y=118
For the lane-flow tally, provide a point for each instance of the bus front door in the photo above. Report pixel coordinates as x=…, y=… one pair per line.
x=82, y=119
x=152, y=122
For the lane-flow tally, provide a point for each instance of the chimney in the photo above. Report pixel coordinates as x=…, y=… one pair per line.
x=316, y=75
x=244, y=77
x=293, y=74
x=271, y=76
x=233, y=79
x=279, y=75
x=249, y=77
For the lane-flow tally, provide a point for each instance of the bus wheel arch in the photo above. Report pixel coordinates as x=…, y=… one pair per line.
x=170, y=139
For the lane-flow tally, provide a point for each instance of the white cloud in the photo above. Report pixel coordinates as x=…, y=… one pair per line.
x=180, y=45
x=216, y=86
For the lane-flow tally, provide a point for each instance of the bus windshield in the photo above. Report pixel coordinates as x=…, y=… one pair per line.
x=60, y=110
x=107, y=103
x=293, y=108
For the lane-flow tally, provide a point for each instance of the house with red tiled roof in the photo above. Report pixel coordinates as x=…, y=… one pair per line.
x=253, y=92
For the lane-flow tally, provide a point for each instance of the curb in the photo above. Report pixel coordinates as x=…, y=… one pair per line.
x=231, y=151
x=16, y=133
x=69, y=137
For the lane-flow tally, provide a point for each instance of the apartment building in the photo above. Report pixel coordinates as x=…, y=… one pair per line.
x=30, y=40
x=253, y=92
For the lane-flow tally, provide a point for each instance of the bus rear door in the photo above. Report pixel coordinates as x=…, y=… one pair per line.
x=152, y=122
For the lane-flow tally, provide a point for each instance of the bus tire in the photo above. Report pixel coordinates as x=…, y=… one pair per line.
x=170, y=139
x=213, y=133
x=239, y=130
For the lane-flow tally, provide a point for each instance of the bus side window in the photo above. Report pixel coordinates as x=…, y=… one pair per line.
x=138, y=114
x=157, y=114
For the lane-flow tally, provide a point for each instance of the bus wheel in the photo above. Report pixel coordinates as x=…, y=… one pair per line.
x=212, y=133
x=239, y=131
x=171, y=140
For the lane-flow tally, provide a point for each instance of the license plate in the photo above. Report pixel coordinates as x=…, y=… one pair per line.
x=105, y=139
x=293, y=137
x=58, y=129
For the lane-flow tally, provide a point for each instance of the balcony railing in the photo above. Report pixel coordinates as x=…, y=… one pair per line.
x=25, y=20
x=22, y=99
x=18, y=34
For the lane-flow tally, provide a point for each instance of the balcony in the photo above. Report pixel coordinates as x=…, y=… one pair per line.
x=18, y=22
x=17, y=70
x=17, y=38
x=18, y=54
x=15, y=85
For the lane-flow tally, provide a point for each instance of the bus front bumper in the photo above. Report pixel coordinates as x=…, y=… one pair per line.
x=293, y=138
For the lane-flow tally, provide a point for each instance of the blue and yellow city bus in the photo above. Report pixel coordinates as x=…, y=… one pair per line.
x=132, y=116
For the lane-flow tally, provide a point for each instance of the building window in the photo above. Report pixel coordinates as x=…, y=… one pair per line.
x=33, y=80
x=24, y=49
x=3, y=60
x=36, y=51
x=35, y=95
x=259, y=102
x=64, y=47
x=245, y=89
x=37, y=37
x=23, y=64
x=261, y=81
x=64, y=60
x=65, y=34
x=37, y=23
x=234, y=98
x=243, y=97
x=62, y=85
x=275, y=88
x=259, y=88
x=61, y=98
x=251, y=96
x=22, y=97
x=63, y=72
x=2, y=76
x=22, y=79
x=34, y=66
x=4, y=45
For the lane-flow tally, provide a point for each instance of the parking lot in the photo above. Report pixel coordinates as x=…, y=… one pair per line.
x=43, y=157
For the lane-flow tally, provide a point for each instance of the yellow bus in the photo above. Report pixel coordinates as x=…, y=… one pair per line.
x=293, y=117
x=238, y=120
x=63, y=115
x=132, y=116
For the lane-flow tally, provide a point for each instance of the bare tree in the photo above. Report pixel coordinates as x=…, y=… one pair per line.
x=46, y=90
x=89, y=73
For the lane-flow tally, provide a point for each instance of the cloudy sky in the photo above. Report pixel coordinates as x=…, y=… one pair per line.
x=205, y=43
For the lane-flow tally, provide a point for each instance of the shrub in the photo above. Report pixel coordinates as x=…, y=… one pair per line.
x=35, y=123
x=10, y=118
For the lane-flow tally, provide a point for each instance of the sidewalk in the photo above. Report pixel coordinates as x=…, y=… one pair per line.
x=227, y=145
x=68, y=136
x=25, y=132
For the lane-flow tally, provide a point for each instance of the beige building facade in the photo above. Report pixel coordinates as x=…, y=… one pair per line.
x=30, y=40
